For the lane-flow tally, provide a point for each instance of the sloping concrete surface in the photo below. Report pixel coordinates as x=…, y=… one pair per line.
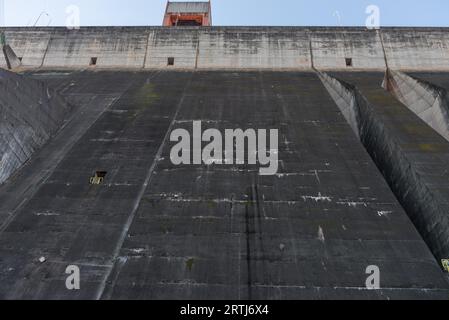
x=440, y=79
x=426, y=100
x=411, y=155
x=12, y=60
x=156, y=231
x=30, y=114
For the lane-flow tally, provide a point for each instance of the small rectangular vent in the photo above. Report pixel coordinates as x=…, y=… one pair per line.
x=171, y=61
x=348, y=62
x=93, y=61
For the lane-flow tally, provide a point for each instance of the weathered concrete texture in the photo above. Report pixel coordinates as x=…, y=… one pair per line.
x=180, y=44
x=331, y=47
x=113, y=47
x=249, y=48
x=3, y=63
x=153, y=230
x=233, y=47
x=31, y=46
x=30, y=114
x=417, y=48
x=11, y=59
x=427, y=101
x=412, y=156
x=345, y=99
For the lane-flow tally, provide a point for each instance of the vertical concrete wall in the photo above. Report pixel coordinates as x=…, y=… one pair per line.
x=253, y=48
x=417, y=48
x=180, y=44
x=233, y=47
x=29, y=45
x=113, y=47
x=331, y=47
x=2, y=61
x=427, y=101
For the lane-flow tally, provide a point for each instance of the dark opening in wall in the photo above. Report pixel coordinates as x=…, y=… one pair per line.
x=20, y=58
x=171, y=61
x=98, y=178
x=189, y=23
x=348, y=62
x=93, y=61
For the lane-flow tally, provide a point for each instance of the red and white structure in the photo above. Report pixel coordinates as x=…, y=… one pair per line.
x=188, y=13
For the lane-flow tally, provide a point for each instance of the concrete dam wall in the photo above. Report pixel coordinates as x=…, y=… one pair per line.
x=362, y=172
x=232, y=48
x=30, y=114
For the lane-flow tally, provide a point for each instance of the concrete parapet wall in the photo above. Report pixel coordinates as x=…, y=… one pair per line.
x=296, y=48
x=30, y=45
x=123, y=48
x=332, y=47
x=417, y=48
x=180, y=44
x=249, y=48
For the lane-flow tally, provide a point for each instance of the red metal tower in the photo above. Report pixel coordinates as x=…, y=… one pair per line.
x=188, y=13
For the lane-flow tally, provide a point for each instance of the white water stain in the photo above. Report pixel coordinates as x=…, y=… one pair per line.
x=321, y=234
x=319, y=198
x=384, y=213
x=47, y=214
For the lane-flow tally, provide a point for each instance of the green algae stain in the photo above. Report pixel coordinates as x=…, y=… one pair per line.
x=211, y=204
x=432, y=147
x=189, y=264
x=146, y=96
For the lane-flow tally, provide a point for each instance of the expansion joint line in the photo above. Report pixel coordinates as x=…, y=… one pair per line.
x=311, y=53
x=146, y=51
x=46, y=49
x=147, y=182
x=197, y=51
x=379, y=32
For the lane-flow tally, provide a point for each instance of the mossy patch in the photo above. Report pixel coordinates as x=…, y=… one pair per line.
x=189, y=264
x=146, y=95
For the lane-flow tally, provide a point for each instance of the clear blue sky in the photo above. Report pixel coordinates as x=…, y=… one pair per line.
x=234, y=12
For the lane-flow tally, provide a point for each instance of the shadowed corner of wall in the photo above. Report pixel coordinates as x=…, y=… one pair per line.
x=12, y=61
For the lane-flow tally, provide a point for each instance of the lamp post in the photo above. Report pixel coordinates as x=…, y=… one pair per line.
x=40, y=16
